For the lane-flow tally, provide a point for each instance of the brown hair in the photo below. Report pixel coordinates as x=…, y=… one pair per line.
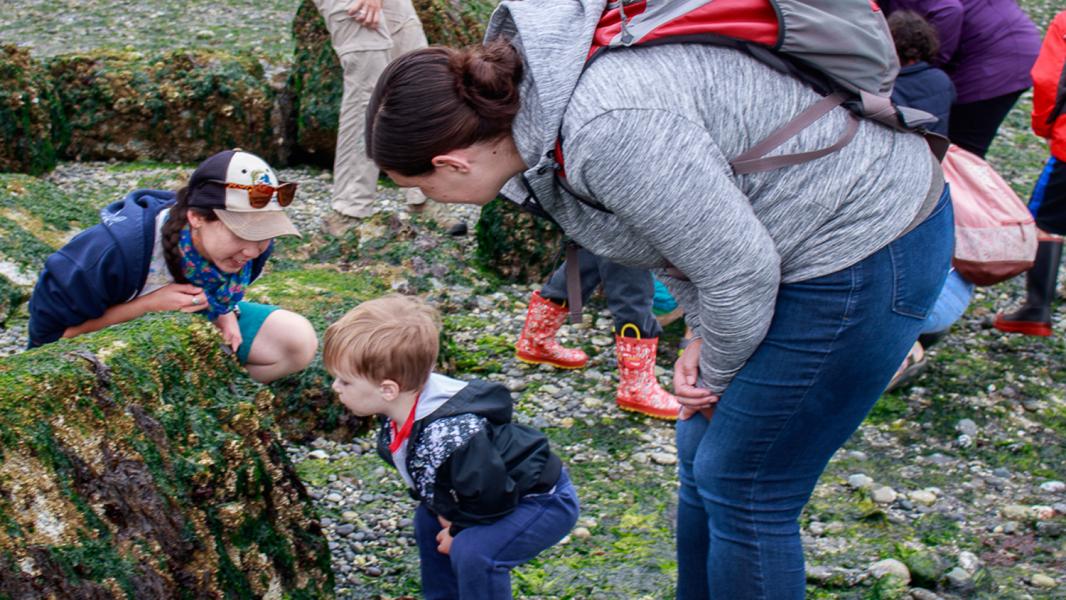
x=434, y=100
x=914, y=37
x=394, y=337
x=172, y=232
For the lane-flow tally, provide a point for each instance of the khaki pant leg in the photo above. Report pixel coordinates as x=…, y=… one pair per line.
x=407, y=35
x=355, y=176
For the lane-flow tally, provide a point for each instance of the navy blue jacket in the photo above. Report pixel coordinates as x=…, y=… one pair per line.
x=105, y=265
x=927, y=88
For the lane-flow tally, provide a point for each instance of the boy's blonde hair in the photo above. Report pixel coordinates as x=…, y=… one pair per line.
x=394, y=337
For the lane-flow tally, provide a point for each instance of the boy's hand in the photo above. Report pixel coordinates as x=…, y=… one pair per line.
x=231, y=331
x=444, y=541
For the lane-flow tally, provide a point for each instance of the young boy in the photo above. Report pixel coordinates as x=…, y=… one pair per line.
x=492, y=493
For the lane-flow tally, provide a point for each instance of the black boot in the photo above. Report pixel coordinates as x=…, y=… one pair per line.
x=1034, y=316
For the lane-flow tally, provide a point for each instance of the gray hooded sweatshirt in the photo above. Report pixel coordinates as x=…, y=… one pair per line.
x=648, y=133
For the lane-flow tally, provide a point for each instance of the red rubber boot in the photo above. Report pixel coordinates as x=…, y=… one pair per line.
x=537, y=344
x=638, y=390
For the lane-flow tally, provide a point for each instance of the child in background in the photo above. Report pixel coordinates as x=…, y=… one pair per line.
x=492, y=494
x=919, y=84
x=190, y=251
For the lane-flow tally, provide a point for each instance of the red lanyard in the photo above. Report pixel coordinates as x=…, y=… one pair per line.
x=399, y=437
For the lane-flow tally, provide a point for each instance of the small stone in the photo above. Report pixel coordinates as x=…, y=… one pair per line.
x=1015, y=512
x=959, y=579
x=600, y=341
x=964, y=441
x=318, y=454
x=884, y=495
x=350, y=516
x=319, y=443
x=857, y=455
x=664, y=458
x=969, y=562
x=1042, y=513
x=1042, y=581
x=835, y=528
x=1009, y=528
x=1049, y=529
x=345, y=529
x=819, y=574
x=1033, y=405
x=1053, y=487
x=860, y=481
x=373, y=571
x=923, y=594
x=581, y=533
x=967, y=427
x=334, y=498
x=891, y=567
x=1001, y=472
x=939, y=459
x=924, y=497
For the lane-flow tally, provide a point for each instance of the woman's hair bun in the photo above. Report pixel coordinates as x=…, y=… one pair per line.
x=487, y=78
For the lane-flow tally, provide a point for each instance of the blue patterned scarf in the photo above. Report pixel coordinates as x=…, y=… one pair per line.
x=223, y=290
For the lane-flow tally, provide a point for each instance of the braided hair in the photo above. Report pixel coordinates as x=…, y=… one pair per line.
x=171, y=233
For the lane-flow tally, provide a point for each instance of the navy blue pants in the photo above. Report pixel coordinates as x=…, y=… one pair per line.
x=832, y=347
x=629, y=291
x=479, y=565
x=1048, y=202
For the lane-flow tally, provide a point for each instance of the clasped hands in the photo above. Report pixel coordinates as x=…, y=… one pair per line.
x=686, y=373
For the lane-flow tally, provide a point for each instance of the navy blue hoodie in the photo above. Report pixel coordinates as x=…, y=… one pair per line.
x=925, y=87
x=105, y=265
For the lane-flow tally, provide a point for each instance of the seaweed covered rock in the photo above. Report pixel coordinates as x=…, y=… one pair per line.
x=29, y=110
x=141, y=462
x=36, y=217
x=178, y=106
x=316, y=78
x=517, y=245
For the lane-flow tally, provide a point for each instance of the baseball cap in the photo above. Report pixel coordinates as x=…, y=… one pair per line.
x=223, y=183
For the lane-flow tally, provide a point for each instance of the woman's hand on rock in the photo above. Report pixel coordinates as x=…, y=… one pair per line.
x=686, y=373
x=176, y=296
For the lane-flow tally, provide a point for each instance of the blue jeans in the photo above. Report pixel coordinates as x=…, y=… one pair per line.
x=832, y=347
x=629, y=291
x=481, y=559
x=953, y=301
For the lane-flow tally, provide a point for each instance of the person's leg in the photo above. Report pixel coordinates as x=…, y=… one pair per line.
x=355, y=176
x=275, y=342
x=483, y=556
x=973, y=125
x=834, y=343
x=555, y=288
x=950, y=305
x=438, y=578
x=693, y=537
x=630, y=293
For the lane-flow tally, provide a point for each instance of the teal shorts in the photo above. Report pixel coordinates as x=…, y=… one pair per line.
x=250, y=317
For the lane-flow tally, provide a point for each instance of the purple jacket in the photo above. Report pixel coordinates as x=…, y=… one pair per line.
x=986, y=46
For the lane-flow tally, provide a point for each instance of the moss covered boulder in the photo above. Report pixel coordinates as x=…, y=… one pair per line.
x=29, y=110
x=141, y=462
x=177, y=106
x=316, y=78
x=517, y=245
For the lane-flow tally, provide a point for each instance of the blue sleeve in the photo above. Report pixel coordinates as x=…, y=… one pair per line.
x=79, y=282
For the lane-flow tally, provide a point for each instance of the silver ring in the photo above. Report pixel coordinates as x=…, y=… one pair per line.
x=195, y=300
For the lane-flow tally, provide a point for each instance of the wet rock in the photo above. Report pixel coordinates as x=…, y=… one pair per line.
x=959, y=580
x=1015, y=512
x=581, y=533
x=923, y=594
x=1043, y=581
x=31, y=116
x=664, y=458
x=926, y=568
x=923, y=497
x=1053, y=487
x=860, y=481
x=967, y=427
x=969, y=562
x=883, y=495
x=890, y=567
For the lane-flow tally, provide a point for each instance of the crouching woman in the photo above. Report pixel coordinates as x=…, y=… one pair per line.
x=195, y=250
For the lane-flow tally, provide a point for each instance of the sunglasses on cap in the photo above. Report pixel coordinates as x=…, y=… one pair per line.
x=259, y=194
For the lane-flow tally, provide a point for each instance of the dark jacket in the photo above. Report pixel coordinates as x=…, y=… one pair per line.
x=105, y=265
x=469, y=463
x=986, y=46
x=927, y=88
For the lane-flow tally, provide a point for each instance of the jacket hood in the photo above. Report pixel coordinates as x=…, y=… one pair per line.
x=560, y=35
x=131, y=222
x=482, y=398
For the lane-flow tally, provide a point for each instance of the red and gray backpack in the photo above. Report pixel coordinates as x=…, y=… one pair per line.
x=841, y=48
